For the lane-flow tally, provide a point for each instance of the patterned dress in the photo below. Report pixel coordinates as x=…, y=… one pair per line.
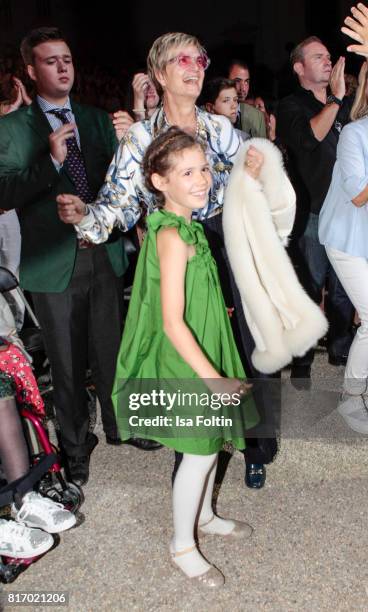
x=17, y=379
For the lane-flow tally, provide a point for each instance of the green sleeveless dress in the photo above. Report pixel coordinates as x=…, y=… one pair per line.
x=148, y=363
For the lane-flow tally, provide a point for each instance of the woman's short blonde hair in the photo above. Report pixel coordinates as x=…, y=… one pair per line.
x=360, y=106
x=160, y=51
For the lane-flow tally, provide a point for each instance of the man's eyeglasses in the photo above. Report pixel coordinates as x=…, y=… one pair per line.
x=185, y=61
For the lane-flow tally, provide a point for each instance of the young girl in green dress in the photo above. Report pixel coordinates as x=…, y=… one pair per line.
x=177, y=327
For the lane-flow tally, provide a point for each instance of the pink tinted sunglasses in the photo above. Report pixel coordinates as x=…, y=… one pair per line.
x=185, y=61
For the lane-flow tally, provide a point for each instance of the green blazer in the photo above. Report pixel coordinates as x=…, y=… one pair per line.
x=252, y=121
x=30, y=182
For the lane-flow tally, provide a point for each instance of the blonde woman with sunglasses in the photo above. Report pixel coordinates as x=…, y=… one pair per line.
x=176, y=67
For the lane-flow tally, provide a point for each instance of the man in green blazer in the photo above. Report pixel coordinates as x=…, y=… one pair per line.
x=51, y=147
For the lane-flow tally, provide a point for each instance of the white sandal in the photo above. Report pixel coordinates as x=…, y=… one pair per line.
x=241, y=530
x=212, y=578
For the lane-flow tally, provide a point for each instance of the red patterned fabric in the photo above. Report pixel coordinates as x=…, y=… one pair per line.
x=15, y=365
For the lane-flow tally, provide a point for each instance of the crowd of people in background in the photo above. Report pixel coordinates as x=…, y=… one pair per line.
x=94, y=84
x=80, y=176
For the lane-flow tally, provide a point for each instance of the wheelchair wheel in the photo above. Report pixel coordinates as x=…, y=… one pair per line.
x=71, y=497
x=9, y=572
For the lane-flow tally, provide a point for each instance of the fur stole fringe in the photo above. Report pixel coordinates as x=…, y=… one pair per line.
x=258, y=218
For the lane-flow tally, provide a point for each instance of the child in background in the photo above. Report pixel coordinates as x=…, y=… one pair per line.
x=221, y=98
x=35, y=517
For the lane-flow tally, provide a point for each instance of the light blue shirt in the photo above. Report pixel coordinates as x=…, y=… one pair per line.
x=54, y=122
x=342, y=225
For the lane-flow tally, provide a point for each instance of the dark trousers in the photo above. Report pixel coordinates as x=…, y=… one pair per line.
x=314, y=271
x=266, y=391
x=82, y=328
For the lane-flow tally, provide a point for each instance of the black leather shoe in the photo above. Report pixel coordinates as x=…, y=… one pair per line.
x=142, y=444
x=300, y=376
x=79, y=469
x=114, y=441
x=339, y=360
x=255, y=475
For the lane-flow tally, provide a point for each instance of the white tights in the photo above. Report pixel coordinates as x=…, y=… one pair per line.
x=192, y=500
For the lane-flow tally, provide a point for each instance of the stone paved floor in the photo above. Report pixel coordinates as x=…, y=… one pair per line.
x=308, y=551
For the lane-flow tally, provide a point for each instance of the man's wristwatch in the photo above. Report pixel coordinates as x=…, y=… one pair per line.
x=334, y=100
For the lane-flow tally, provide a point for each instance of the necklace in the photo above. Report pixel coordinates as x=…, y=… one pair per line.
x=197, y=128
